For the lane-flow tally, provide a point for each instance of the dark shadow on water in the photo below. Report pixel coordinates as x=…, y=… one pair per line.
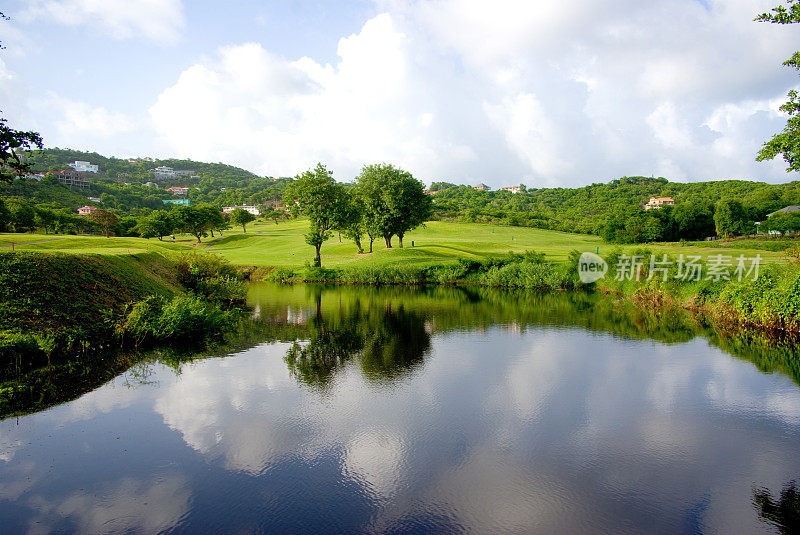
x=782, y=512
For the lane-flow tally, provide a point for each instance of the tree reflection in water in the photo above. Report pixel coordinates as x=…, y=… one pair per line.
x=783, y=513
x=387, y=342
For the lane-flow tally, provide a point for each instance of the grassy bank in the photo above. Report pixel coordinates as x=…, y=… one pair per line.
x=54, y=305
x=767, y=299
x=113, y=273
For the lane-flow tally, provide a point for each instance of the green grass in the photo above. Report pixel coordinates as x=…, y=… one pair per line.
x=283, y=245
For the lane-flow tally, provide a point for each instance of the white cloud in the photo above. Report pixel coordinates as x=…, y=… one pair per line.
x=500, y=93
x=79, y=120
x=160, y=21
x=280, y=117
x=667, y=126
x=530, y=133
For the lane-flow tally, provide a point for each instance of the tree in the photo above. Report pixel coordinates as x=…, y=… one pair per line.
x=12, y=142
x=411, y=206
x=395, y=202
x=22, y=215
x=45, y=218
x=241, y=217
x=191, y=220
x=352, y=220
x=695, y=221
x=730, y=218
x=783, y=222
x=315, y=194
x=786, y=143
x=155, y=225
x=5, y=216
x=104, y=219
x=214, y=218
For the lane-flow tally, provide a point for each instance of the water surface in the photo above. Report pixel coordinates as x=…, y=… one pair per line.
x=415, y=411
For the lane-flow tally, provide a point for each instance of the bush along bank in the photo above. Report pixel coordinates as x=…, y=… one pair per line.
x=725, y=288
x=528, y=270
x=54, y=306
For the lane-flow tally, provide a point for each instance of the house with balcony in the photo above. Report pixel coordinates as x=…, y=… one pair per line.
x=84, y=167
x=658, y=202
x=86, y=210
x=178, y=190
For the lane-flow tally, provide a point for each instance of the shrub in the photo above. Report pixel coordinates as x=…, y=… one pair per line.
x=183, y=317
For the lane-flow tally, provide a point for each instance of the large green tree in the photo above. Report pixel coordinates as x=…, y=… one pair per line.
x=730, y=218
x=215, y=219
x=315, y=194
x=157, y=224
x=241, y=217
x=786, y=143
x=394, y=201
x=352, y=219
x=192, y=220
x=105, y=220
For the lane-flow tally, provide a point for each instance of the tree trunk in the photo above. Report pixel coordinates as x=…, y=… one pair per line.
x=400, y=237
x=160, y=238
x=371, y=239
x=358, y=244
x=212, y=232
x=244, y=229
x=388, y=238
x=318, y=258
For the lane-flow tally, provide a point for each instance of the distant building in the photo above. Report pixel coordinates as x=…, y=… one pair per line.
x=84, y=167
x=179, y=202
x=512, y=189
x=787, y=209
x=247, y=208
x=94, y=199
x=658, y=202
x=429, y=192
x=150, y=184
x=72, y=179
x=169, y=172
x=86, y=210
x=481, y=187
x=178, y=190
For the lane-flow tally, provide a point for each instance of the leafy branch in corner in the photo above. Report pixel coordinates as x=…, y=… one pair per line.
x=786, y=143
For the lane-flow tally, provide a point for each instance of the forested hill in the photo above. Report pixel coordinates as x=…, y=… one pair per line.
x=590, y=209
x=612, y=210
x=140, y=170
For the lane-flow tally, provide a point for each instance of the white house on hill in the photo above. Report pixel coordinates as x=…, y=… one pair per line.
x=84, y=167
x=247, y=208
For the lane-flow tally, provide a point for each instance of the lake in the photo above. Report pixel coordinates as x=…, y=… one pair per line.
x=400, y=410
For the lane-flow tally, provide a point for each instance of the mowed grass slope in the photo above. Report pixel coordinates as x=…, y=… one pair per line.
x=283, y=245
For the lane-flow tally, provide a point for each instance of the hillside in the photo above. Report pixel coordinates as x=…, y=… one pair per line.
x=589, y=209
x=120, y=183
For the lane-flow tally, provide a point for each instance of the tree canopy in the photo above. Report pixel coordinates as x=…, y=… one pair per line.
x=315, y=194
x=12, y=142
x=241, y=217
x=394, y=201
x=786, y=143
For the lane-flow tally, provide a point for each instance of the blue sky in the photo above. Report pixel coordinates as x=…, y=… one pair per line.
x=460, y=90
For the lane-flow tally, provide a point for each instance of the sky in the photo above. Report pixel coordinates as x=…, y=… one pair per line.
x=465, y=91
